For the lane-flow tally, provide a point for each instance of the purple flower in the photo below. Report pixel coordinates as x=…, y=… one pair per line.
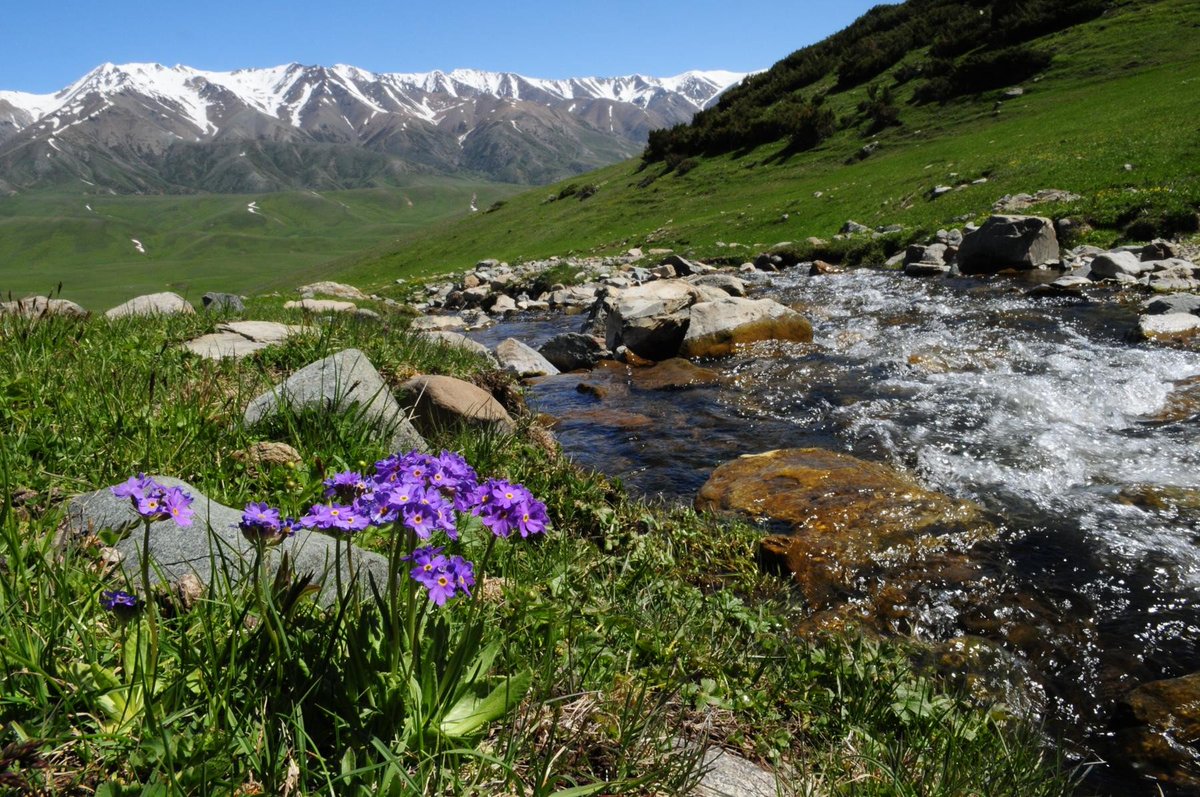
x=320, y=516
x=134, y=487
x=462, y=573
x=177, y=505
x=154, y=502
x=531, y=517
x=347, y=485
x=441, y=588
x=427, y=562
x=261, y=522
x=118, y=601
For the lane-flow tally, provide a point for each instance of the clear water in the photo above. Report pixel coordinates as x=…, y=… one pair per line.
x=1045, y=412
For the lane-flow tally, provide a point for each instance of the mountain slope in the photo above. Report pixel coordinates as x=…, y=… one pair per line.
x=1104, y=119
x=151, y=128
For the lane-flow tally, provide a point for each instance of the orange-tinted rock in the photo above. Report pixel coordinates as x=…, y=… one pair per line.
x=849, y=517
x=1169, y=739
x=674, y=374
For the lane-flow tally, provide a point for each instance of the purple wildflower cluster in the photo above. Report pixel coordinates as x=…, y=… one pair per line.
x=424, y=493
x=262, y=523
x=443, y=576
x=153, y=501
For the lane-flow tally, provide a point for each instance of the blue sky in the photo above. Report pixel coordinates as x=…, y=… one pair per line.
x=51, y=44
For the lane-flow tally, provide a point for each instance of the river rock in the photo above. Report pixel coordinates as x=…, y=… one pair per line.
x=1168, y=738
x=165, y=303
x=223, y=302
x=682, y=267
x=1009, y=242
x=342, y=382
x=437, y=322
x=39, y=306
x=523, y=360
x=846, y=515
x=441, y=401
x=571, y=351
x=1168, y=325
x=651, y=320
x=214, y=539
x=1175, y=303
x=504, y=305
x=1110, y=265
x=717, y=328
x=674, y=374
x=724, y=282
x=456, y=340
x=337, y=289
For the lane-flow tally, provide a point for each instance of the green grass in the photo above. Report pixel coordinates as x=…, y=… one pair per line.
x=1118, y=91
x=634, y=624
x=200, y=243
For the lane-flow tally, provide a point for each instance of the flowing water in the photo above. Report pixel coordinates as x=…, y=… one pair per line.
x=1081, y=442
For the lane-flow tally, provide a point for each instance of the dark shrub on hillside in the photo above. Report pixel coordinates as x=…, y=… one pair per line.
x=967, y=38
x=879, y=108
x=983, y=71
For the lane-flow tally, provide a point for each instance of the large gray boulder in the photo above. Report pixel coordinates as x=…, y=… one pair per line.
x=523, y=360
x=725, y=282
x=1111, y=264
x=717, y=328
x=213, y=548
x=1003, y=242
x=342, y=382
x=1175, y=303
x=165, y=303
x=652, y=319
x=572, y=351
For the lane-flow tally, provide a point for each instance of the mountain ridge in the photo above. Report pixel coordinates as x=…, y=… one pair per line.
x=117, y=127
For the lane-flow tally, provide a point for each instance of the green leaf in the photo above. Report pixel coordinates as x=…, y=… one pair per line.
x=471, y=713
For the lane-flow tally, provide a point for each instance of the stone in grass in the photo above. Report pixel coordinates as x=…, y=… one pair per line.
x=441, y=401
x=213, y=549
x=456, y=340
x=39, y=306
x=523, y=360
x=223, y=302
x=341, y=382
x=338, y=289
x=166, y=303
x=321, y=306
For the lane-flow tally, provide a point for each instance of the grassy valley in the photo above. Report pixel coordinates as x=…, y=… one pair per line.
x=243, y=243
x=1116, y=92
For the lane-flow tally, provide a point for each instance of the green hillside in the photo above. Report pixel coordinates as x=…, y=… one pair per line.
x=195, y=244
x=1107, y=118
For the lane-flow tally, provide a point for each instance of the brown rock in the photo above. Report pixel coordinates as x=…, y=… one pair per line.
x=270, y=454
x=847, y=515
x=446, y=401
x=674, y=374
x=717, y=328
x=821, y=267
x=1169, y=711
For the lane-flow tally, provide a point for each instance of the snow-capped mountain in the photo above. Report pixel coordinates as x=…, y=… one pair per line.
x=148, y=127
